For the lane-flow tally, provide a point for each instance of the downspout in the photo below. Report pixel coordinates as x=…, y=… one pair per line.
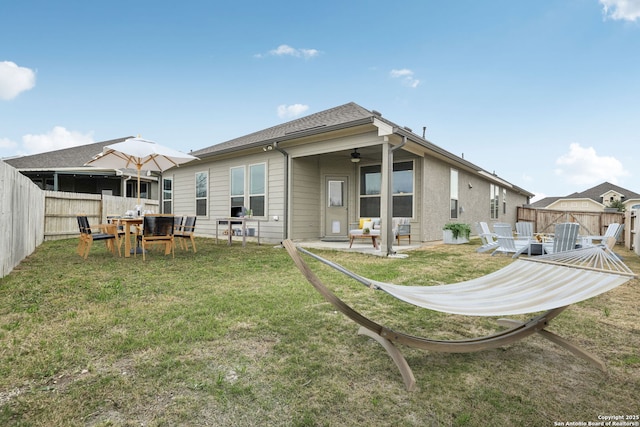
x=124, y=186
x=286, y=190
x=389, y=225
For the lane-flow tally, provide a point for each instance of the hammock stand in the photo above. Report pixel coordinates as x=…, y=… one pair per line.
x=598, y=260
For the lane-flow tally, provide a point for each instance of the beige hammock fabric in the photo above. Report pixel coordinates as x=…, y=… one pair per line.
x=524, y=286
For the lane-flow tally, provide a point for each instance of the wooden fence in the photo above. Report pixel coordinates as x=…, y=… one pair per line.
x=21, y=219
x=30, y=215
x=61, y=209
x=591, y=223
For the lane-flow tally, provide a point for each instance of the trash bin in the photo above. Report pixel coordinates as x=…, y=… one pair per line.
x=251, y=232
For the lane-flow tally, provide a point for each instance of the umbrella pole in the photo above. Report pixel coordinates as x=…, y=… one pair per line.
x=139, y=185
x=138, y=249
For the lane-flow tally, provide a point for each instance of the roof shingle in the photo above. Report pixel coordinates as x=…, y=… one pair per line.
x=65, y=158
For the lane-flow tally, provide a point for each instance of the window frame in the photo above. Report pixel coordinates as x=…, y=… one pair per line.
x=247, y=196
x=504, y=201
x=205, y=197
x=164, y=193
x=454, y=193
x=257, y=195
x=494, y=201
x=233, y=195
x=376, y=173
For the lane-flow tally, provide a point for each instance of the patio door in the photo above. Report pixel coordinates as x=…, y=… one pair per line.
x=336, y=213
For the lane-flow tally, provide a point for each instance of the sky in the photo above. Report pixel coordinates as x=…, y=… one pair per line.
x=545, y=94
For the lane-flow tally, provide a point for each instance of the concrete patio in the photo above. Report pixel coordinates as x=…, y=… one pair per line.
x=361, y=246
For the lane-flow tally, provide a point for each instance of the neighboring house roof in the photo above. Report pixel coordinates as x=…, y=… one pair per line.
x=342, y=117
x=74, y=157
x=593, y=193
x=543, y=203
x=596, y=193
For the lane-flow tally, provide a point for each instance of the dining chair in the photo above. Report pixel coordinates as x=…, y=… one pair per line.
x=156, y=230
x=187, y=233
x=87, y=237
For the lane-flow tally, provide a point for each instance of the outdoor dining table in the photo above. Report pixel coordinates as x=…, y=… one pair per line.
x=127, y=222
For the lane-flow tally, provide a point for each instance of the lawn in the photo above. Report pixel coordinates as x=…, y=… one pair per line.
x=234, y=336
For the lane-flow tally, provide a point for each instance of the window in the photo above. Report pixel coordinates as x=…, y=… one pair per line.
x=257, y=189
x=504, y=201
x=167, y=195
x=494, y=194
x=403, y=189
x=370, y=183
x=202, y=192
x=249, y=193
x=336, y=194
x=237, y=187
x=370, y=188
x=132, y=189
x=453, y=191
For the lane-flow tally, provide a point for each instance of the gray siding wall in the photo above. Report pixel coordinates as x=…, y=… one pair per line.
x=219, y=203
x=435, y=195
x=306, y=199
x=473, y=197
x=313, y=160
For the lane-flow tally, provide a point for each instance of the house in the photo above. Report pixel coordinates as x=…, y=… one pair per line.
x=595, y=199
x=311, y=178
x=65, y=170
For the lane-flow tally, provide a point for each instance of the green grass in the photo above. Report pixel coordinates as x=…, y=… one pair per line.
x=236, y=336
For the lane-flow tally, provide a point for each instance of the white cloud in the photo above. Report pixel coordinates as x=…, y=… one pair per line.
x=583, y=166
x=291, y=111
x=56, y=139
x=406, y=77
x=15, y=79
x=6, y=143
x=627, y=10
x=286, y=50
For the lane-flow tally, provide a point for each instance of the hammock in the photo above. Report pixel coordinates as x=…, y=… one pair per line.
x=547, y=283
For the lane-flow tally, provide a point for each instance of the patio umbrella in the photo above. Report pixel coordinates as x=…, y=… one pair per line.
x=140, y=154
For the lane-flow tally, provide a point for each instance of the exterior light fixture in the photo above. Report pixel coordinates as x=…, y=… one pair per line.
x=355, y=156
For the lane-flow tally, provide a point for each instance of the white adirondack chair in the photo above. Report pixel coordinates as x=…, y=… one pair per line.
x=487, y=238
x=507, y=244
x=613, y=232
x=564, y=238
x=524, y=230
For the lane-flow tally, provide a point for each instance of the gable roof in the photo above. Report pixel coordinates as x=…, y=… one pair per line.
x=341, y=117
x=596, y=193
x=73, y=157
x=347, y=115
x=543, y=203
x=593, y=193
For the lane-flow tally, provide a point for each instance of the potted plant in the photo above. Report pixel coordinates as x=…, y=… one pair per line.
x=366, y=230
x=456, y=233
